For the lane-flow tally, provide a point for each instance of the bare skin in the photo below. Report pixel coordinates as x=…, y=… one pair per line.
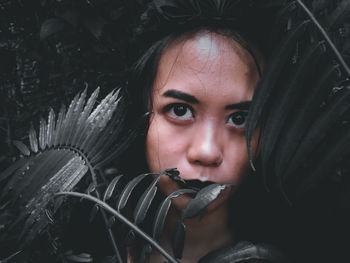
x=200, y=99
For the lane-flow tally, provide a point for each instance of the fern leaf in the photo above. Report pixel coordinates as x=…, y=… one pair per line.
x=339, y=14
x=326, y=37
x=95, y=209
x=202, y=199
x=82, y=124
x=110, y=189
x=145, y=201
x=42, y=134
x=50, y=128
x=327, y=161
x=111, y=222
x=306, y=113
x=59, y=125
x=179, y=238
x=75, y=117
x=319, y=131
x=33, y=140
x=66, y=124
x=22, y=147
x=125, y=194
x=287, y=100
x=163, y=211
x=245, y=252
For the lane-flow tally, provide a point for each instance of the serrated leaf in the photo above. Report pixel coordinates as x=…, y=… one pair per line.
x=22, y=147
x=145, y=201
x=59, y=125
x=50, y=128
x=42, y=134
x=179, y=238
x=33, y=140
x=71, y=134
x=163, y=211
x=203, y=198
x=109, y=191
x=125, y=194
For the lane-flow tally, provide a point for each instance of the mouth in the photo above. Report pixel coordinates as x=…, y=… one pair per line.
x=196, y=184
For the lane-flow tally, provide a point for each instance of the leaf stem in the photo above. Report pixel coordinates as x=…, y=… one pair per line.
x=325, y=35
x=123, y=219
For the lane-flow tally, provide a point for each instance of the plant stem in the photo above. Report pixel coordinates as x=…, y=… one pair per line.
x=123, y=219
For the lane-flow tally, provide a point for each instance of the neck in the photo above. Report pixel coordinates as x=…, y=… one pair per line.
x=202, y=236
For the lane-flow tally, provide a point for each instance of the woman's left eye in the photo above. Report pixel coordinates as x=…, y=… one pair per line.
x=238, y=119
x=180, y=111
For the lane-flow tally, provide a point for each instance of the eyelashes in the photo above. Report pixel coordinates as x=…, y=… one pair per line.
x=184, y=112
x=238, y=119
x=179, y=111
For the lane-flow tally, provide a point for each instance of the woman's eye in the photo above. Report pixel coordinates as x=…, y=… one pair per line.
x=180, y=111
x=238, y=119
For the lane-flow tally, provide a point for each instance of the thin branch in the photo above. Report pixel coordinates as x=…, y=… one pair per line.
x=123, y=219
x=325, y=35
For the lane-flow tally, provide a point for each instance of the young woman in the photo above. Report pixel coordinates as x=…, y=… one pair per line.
x=198, y=85
x=199, y=102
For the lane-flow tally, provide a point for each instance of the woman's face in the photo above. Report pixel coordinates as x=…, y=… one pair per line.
x=200, y=99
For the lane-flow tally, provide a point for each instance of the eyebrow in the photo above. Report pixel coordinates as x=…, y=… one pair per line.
x=243, y=105
x=181, y=96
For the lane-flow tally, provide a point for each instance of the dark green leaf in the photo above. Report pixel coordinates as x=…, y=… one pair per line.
x=33, y=140
x=179, y=238
x=145, y=201
x=203, y=198
x=245, y=252
x=94, y=212
x=267, y=83
x=109, y=191
x=50, y=128
x=125, y=194
x=22, y=147
x=42, y=134
x=163, y=211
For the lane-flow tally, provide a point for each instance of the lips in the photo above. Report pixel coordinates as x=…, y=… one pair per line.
x=196, y=184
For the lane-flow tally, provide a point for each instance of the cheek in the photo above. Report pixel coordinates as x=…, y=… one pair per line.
x=161, y=147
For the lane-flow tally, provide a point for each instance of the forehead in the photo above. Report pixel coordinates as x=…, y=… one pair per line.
x=205, y=53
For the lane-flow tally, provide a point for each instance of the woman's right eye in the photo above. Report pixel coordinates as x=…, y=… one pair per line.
x=179, y=111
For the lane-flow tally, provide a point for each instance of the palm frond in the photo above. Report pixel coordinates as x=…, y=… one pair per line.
x=57, y=160
x=297, y=99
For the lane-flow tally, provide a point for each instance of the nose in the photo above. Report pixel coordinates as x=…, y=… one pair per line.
x=205, y=148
